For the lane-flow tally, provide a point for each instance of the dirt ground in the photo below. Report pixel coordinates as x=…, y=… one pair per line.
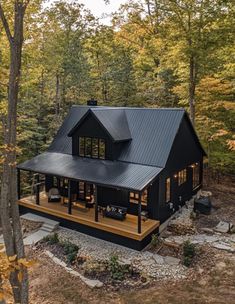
x=214, y=283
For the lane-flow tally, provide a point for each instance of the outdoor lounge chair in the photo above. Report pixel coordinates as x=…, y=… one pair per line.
x=54, y=195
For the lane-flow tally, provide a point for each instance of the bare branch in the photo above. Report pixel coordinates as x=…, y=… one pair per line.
x=5, y=24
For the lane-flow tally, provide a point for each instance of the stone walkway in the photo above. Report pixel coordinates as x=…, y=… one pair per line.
x=216, y=240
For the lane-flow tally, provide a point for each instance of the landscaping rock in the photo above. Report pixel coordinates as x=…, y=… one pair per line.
x=223, y=227
x=158, y=259
x=88, y=282
x=171, y=260
x=224, y=246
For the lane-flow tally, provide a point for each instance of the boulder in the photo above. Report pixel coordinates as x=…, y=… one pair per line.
x=223, y=227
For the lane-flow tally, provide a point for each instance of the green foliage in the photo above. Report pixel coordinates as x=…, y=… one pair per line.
x=189, y=252
x=154, y=240
x=69, y=247
x=116, y=269
x=51, y=239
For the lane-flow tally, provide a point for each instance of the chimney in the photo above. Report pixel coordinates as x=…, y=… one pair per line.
x=92, y=102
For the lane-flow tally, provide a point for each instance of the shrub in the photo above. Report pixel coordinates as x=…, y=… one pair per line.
x=69, y=247
x=117, y=270
x=51, y=239
x=71, y=257
x=154, y=240
x=189, y=252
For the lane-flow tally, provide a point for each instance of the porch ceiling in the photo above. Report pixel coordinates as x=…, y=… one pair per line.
x=100, y=172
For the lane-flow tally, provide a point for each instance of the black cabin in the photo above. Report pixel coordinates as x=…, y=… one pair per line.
x=116, y=173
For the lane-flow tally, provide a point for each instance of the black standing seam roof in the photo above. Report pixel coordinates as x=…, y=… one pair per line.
x=101, y=172
x=152, y=132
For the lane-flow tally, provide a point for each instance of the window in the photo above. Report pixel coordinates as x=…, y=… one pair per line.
x=196, y=174
x=87, y=146
x=81, y=146
x=182, y=176
x=101, y=149
x=168, y=190
x=92, y=147
x=95, y=147
x=134, y=197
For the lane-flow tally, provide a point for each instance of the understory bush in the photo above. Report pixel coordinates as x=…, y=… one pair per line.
x=116, y=269
x=189, y=252
x=154, y=240
x=71, y=251
x=51, y=239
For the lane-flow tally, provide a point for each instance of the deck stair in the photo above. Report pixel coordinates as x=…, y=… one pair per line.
x=48, y=226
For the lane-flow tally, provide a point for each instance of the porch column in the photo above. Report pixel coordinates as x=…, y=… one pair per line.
x=69, y=197
x=18, y=184
x=139, y=213
x=37, y=189
x=96, y=203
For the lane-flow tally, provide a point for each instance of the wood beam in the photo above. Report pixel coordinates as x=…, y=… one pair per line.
x=96, y=204
x=69, y=197
x=139, y=213
x=18, y=184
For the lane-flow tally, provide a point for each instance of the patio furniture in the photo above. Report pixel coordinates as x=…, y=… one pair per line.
x=54, y=195
x=115, y=212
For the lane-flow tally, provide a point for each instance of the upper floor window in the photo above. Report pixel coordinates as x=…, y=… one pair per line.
x=134, y=197
x=168, y=190
x=182, y=176
x=92, y=147
x=196, y=174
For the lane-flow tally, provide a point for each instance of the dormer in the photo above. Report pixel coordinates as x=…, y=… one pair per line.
x=100, y=133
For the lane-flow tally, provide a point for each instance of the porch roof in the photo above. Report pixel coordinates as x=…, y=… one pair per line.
x=100, y=172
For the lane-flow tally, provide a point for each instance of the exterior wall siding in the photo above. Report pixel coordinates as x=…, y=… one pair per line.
x=185, y=152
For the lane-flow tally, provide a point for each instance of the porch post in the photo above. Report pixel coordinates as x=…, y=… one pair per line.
x=139, y=213
x=69, y=197
x=37, y=189
x=18, y=184
x=96, y=203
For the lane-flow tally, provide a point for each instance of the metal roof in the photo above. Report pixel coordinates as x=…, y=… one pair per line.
x=112, y=120
x=152, y=131
x=101, y=172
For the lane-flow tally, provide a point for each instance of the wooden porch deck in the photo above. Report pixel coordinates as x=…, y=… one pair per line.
x=127, y=228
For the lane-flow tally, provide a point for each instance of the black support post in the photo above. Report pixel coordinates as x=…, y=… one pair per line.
x=96, y=203
x=37, y=189
x=18, y=184
x=69, y=197
x=139, y=213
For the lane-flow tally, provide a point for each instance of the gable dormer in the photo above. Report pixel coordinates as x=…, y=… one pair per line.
x=100, y=133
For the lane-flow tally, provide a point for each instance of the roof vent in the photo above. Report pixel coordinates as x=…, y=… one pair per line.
x=92, y=102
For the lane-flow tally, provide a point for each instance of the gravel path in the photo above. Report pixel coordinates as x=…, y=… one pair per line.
x=151, y=264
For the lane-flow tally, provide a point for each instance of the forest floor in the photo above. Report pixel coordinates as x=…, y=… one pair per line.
x=211, y=277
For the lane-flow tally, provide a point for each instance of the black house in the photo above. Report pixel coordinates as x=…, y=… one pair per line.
x=117, y=173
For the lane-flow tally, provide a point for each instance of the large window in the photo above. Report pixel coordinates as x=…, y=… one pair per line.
x=182, y=177
x=168, y=190
x=92, y=147
x=196, y=175
x=134, y=197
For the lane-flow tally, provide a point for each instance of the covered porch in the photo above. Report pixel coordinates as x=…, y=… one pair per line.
x=100, y=174
x=86, y=216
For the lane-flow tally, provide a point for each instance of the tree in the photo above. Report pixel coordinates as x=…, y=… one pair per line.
x=8, y=206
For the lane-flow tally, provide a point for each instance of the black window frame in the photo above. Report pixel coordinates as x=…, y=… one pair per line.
x=92, y=139
x=182, y=177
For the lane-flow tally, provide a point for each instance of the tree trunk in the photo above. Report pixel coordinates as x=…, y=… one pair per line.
x=191, y=88
x=9, y=211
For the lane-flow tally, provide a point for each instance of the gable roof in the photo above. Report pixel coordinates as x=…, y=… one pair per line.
x=152, y=131
x=112, y=120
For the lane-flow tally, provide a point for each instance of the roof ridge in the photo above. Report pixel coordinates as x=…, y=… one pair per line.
x=126, y=108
